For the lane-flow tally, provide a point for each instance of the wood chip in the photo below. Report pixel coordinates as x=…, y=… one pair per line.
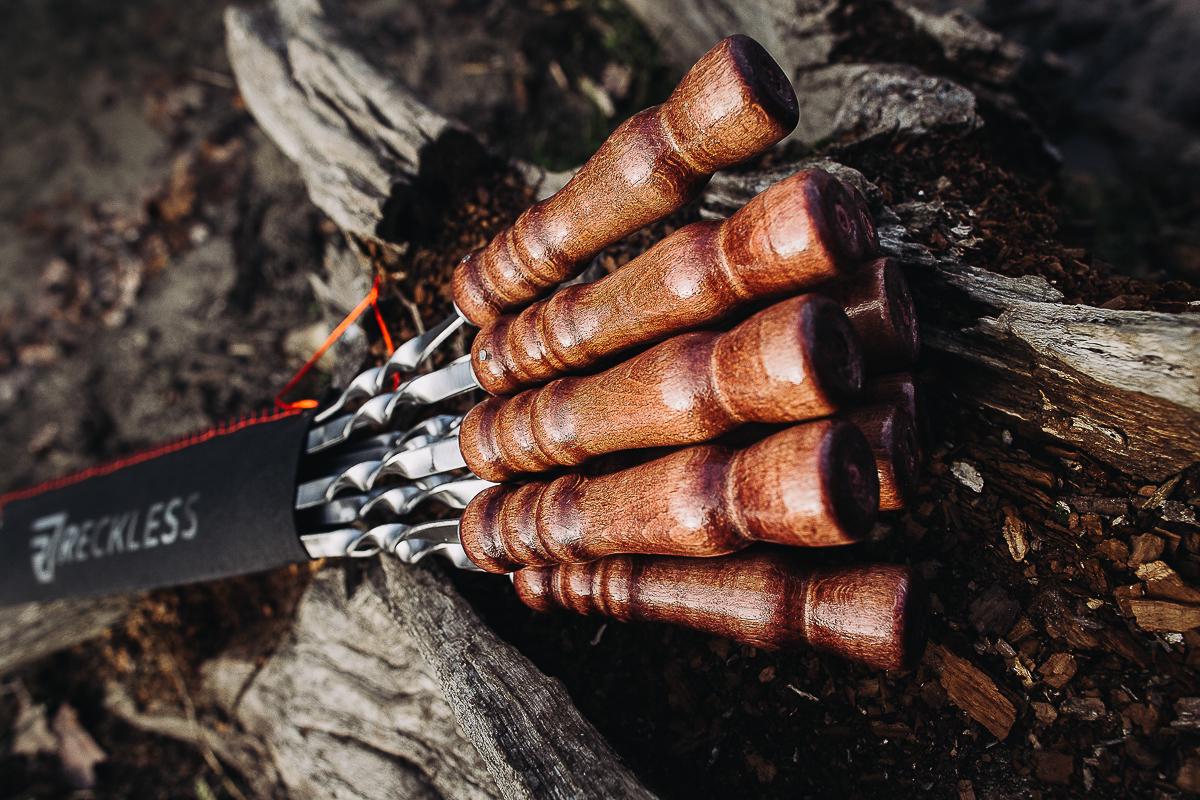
x=1044, y=712
x=1164, y=583
x=1146, y=547
x=1143, y=715
x=77, y=750
x=1023, y=629
x=1164, y=616
x=1188, y=777
x=1015, y=535
x=970, y=688
x=1088, y=709
x=1058, y=670
x=1114, y=550
x=1187, y=714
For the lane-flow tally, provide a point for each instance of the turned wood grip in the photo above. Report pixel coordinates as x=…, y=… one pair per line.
x=805, y=230
x=734, y=103
x=796, y=360
x=811, y=485
x=892, y=435
x=872, y=613
x=903, y=390
x=880, y=307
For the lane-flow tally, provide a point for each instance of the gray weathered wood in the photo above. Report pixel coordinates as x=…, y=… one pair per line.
x=397, y=689
x=354, y=133
x=29, y=632
x=347, y=707
x=534, y=740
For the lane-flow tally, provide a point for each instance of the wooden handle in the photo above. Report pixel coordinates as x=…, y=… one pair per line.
x=811, y=485
x=901, y=389
x=892, y=435
x=805, y=230
x=796, y=360
x=872, y=613
x=880, y=308
x=734, y=103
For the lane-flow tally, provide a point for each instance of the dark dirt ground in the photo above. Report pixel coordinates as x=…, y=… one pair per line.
x=154, y=279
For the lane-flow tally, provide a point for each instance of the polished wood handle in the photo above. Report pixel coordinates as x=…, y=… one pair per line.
x=880, y=307
x=734, y=103
x=804, y=230
x=903, y=390
x=811, y=485
x=872, y=613
x=796, y=360
x=892, y=435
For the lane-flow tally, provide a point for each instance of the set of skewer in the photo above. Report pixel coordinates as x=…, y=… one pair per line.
x=737, y=383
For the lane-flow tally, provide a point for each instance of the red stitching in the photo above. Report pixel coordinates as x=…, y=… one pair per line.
x=221, y=429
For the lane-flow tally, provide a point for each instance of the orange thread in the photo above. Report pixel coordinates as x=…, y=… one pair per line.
x=223, y=429
x=383, y=329
x=371, y=300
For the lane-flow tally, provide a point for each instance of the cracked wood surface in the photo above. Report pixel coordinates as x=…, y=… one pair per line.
x=393, y=688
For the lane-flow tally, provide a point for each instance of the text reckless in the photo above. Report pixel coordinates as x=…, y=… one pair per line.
x=59, y=541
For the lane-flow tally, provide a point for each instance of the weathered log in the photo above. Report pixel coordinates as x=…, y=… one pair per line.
x=801, y=35
x=395, y=688
x=29, y=632
x=354, y=133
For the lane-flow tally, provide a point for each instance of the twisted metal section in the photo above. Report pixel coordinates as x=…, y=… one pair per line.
x=381, y=411
x=432, y=444
x=406, y=358
x=409, y=543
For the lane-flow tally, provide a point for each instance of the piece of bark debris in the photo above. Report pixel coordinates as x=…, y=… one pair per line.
x=1162, y=616
x=1146, y=547
x=1016, y=535
x=1088, y=709
x=31, y=734
x=1114, y=550
x=970, y=688
x=1164, y=583
x=1045, y=713
x=1052, y=767
x=1058, y=670
x=1188, y=777
x=967, y=475
x=1143, y=715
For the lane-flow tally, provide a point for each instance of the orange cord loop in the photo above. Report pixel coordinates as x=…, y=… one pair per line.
x=371, y=301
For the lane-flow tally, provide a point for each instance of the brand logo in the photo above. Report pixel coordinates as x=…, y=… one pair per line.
x=59, y=541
